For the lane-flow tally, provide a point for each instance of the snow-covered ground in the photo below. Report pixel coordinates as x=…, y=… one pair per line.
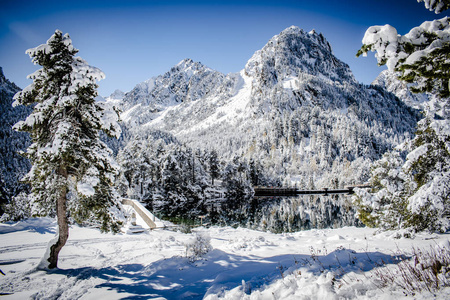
x=243, y=264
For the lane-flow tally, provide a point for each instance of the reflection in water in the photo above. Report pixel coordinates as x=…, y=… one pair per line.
x=288, y=214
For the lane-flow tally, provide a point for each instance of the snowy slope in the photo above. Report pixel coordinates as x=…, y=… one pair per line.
x=243, y=264
x=389, y=81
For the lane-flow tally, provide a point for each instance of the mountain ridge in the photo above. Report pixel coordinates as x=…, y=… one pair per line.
x=293, y=101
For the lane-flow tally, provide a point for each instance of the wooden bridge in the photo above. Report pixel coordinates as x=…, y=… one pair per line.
x=280, y=191
x=147, y=216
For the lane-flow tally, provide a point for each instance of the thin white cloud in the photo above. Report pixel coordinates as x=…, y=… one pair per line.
x=25, y=32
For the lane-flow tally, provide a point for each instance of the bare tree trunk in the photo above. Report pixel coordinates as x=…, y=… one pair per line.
x=63, y=226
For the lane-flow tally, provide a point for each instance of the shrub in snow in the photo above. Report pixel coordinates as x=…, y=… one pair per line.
x=426, y=270
x=185, y=228
x=198, y=247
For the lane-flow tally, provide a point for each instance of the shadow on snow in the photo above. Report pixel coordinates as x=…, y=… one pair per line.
x=39, y=225
x=177, y=278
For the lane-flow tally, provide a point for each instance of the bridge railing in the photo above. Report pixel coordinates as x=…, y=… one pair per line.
x=280, y=191
x=147, y=216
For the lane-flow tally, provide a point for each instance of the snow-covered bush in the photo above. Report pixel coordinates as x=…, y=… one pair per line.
x=198, y=247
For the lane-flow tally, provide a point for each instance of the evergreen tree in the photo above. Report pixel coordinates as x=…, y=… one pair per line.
x=72, y=171
x=419, y=198
x=13, y=166
x=214, y=170
x=3, y=196
x=254, y=173
x=385, y=205
x=428, y=166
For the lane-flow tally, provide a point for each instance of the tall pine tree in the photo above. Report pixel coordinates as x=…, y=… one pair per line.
x=72, y=170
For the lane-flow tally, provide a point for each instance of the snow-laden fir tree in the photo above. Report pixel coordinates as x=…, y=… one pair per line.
x=385, y=205
x=72, y=170
x=417, y=192
x=213, y=166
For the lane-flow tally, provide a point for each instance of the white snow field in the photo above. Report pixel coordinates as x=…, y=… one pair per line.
x=243, y=264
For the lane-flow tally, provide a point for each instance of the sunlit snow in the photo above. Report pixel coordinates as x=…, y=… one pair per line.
x=243, y=264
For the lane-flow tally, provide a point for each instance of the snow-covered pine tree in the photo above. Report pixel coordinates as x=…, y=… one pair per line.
x=428, y=165
x=385, y=204
x=213, y=162
x=72, y=170
x=3, y=195
x=422, y=57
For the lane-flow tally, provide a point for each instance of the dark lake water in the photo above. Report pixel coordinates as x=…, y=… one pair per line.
x=289, y=214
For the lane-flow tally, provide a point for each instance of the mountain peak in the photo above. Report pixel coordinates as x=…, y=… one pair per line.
x=185, y=63
x=117, y=95
x=296, y=30
x=188, y=68
x=185, y=82
x=292, y=29
x=295, y=51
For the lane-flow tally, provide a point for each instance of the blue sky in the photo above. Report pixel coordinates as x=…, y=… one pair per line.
x=131, y=41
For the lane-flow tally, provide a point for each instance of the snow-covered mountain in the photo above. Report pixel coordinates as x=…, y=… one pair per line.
x=186, y=82
x=293, y=115
x=12, y=165
x=295, y=108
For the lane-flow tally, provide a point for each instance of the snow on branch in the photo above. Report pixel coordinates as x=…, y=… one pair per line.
x=393, y=49
x=437, y=5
